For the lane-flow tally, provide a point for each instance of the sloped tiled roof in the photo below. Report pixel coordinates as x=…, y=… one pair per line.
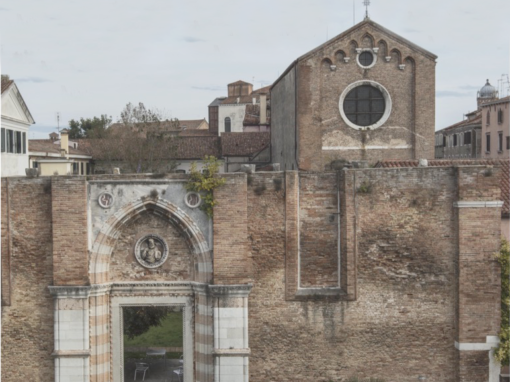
x=239, y=82
x=170, y=126
x=197, y=147
x=49, y=146
x=504, y=163
x=196, y=133
x=477, y=119
x=6, y=84
x=246, y=98
x=244, y=144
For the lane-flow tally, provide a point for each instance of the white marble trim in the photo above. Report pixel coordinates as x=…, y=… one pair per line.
x=478, y=204
x=325, y=148
x=492, y=341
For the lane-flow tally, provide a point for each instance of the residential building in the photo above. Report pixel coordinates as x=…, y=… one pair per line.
x=464, y=139
x=496, y=129
x=16, y=120
x=60, y=156
x=243, y=110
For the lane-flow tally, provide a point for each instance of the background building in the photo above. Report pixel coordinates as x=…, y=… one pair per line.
x=496, y=128
x=16, y=119
x=464, y=139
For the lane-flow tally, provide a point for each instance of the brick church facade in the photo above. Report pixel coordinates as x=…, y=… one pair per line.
x=318, y=104
x=316, y=275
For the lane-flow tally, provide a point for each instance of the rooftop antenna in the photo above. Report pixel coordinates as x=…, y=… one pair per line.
x=505, y=85
x=58, y=121
x=353, y=13
x=366, y=3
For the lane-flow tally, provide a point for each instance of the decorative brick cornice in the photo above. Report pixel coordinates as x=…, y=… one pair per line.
x=69, y=291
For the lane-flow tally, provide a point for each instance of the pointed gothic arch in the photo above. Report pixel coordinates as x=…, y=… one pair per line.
x=111, y=230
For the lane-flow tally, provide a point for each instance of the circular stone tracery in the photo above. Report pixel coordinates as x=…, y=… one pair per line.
x=365, y=105
x=151, y=251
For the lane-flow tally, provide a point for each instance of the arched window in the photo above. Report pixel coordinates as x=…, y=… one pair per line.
x=227, y=125
x=500, y=116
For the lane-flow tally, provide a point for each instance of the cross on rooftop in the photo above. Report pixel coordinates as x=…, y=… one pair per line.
x=366, y=3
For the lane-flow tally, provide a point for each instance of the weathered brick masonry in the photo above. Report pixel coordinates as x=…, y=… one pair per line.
x=382, y=273
x=27, y=319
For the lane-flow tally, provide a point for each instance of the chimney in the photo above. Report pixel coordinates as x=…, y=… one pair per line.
x=263, y=106
x=64, y=142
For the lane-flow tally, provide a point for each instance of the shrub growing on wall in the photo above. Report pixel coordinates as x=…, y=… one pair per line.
x=503, y=350
x=204, y=182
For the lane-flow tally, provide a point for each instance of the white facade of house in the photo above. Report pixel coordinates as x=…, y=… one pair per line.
x=236, y=114
x=16, y=119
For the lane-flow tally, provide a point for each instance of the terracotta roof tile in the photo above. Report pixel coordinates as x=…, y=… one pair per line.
x=504, y=163
x=477, y=119
x=48, y=146
x=197, y=147
x=244, y=144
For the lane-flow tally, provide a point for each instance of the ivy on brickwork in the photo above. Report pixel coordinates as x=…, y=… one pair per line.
x=503, y=350
x=204, y=182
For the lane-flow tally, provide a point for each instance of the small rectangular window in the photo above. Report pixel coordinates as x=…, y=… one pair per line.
x=87, y=166
x=500, y=141
x=488, y=143
x=75, y=168
x=19, y=149
x=508, y=143
x=82, y=173
x=3, y=139
x=10, y=141
x=454, y=140
x=467, y=138
x=24, y=138
x=35, y=164
x=500, y=116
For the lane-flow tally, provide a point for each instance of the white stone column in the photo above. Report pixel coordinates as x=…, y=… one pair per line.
x=231, y=347
x=71, y=333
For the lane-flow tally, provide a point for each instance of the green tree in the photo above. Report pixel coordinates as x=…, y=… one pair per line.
x=89, y=127
x=141, y=141
x=502, y=352
x=139, y=319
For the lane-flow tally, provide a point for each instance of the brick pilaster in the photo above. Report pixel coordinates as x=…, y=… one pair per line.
x=69, y=218
x=232, y=261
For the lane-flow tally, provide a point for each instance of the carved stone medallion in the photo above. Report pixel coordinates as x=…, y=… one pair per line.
x=105, y=200
x=151, y=251
x=192, y=199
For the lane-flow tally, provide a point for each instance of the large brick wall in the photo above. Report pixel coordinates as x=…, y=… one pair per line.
x=416, y=270
x=27, y=323
x=400, y=233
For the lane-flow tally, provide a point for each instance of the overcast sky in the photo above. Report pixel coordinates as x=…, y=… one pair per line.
x=86, y=58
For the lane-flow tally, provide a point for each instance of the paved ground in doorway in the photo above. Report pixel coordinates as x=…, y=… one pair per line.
x=158, y=370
